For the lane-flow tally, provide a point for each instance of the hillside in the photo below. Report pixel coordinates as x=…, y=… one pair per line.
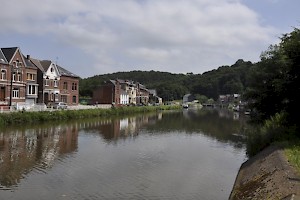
x=169, y=86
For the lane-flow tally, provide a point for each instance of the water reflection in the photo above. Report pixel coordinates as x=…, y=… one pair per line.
x=52, y=148
x=21, y=150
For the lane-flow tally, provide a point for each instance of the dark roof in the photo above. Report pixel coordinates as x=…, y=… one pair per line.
x=28, y=63
x=45, y=64
x=37, y=63
x=2, y=58
x=64, y=72
x=9, y=52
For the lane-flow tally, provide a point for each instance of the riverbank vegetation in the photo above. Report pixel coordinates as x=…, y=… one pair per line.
x=292, y=151
x=18, y=118
x=273, y=98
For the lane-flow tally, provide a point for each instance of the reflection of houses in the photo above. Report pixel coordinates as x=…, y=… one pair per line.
x=28, y=81
x=123, y=92
x=21, y=151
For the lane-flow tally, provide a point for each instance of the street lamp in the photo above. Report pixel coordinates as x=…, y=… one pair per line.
x=11, y=80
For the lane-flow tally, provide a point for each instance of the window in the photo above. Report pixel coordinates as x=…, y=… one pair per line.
x=65, y=86
x=74, y=86
x=55, y=83
x=3, y=74
x=31, y=90
x=30, y=76
x=19, y=77
x=63, y=98
x=16, y=93
x=46, y=82
x=14, y=76
x=74, y=98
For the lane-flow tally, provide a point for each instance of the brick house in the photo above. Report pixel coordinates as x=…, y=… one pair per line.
x=109, y=93
x=56, y=83
x=48, y=80
x=14, y=68
x=69, y=86
x=4, y=84
x=25, y=80
x=121, y=92
x=31, y=82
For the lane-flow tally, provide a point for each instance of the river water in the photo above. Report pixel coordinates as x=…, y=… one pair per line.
x=188, y=154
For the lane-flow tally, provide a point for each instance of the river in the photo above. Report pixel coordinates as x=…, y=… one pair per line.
x=188, y=154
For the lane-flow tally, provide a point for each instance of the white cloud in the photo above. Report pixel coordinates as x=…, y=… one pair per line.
x=176, y=35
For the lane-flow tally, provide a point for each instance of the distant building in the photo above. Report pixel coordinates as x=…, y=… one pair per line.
x=123, y=92
x=109, y=93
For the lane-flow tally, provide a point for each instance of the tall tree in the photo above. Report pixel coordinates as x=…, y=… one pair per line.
x=275, y=80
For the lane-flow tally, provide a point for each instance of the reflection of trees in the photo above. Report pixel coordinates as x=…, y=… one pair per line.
x=23, y=149
x=219, y=124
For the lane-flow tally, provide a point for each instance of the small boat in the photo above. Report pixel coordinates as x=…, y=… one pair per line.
x=185, y=106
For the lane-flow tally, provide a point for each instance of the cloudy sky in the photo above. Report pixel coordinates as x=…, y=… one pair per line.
x=91, y=37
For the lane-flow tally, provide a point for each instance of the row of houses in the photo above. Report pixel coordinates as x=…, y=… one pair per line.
x=26, y=80
x=125, y=92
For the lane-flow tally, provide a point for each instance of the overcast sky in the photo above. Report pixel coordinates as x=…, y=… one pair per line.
x=91, y=37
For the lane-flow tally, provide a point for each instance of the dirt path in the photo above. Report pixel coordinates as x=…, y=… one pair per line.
x=268, y=175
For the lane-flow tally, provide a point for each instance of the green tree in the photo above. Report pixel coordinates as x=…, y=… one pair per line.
x=275, y=81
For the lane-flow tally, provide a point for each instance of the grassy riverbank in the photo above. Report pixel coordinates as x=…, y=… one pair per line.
x=292, y=152
x=19, y=118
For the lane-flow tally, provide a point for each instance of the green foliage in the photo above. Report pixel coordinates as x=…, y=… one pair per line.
x=63, y=115
x=274, y=83
x=225, y=80
x=292, y=151
x=273, y=130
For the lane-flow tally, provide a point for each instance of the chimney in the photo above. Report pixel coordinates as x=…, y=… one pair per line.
x=28, y=57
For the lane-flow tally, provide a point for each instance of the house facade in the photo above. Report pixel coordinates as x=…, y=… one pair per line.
x=121, y=92
x=14, y=78
x=28, y=81
x=69, y=87
x=56, y=84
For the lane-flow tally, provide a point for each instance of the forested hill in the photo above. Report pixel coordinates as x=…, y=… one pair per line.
x=169, y=86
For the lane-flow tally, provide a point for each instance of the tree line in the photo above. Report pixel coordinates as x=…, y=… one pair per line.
x=170, y=86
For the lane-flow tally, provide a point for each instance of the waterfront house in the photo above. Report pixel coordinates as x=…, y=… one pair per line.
x=121, y=92
x=129, y=87
x=4, y=84
x=124, y=97
x=69, y=87
x=31, y=82
x=13, y=76
x=108, y=93
x=56, y=84
x=26, y=81
x=142, y=97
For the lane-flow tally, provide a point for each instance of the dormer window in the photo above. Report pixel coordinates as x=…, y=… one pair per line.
x=51, y=70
